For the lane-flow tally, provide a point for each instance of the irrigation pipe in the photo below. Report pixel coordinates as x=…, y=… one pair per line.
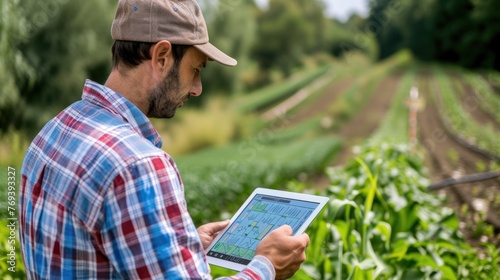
x=477, y=177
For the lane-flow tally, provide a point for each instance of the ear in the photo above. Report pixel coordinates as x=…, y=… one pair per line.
x=161, y=56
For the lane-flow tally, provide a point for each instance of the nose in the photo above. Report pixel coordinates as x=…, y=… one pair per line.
x=196, y=88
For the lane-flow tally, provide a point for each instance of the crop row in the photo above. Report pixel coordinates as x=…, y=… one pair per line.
x=359, y=93
x=459, y=120
x=484, y=94
x=268, y=96
x=394, y=126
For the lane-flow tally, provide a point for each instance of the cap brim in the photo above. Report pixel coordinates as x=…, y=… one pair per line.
x=216, y=55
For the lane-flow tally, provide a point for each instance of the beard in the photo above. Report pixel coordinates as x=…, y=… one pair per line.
x=164, y=97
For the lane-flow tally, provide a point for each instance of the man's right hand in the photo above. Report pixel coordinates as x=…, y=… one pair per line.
x=286, y=252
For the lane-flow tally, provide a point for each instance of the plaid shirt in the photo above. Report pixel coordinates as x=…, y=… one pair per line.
x=101, y=200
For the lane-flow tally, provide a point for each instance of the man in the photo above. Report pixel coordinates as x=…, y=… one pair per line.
x=99, y=198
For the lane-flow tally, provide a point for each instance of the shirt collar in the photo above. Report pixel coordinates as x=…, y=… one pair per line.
x=111, y=100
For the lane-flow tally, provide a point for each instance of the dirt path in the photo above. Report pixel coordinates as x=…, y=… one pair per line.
x=447, y=158
x=363, y=124
x=321, y=104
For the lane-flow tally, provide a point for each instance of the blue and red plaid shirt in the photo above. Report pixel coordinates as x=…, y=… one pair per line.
x=101, y=200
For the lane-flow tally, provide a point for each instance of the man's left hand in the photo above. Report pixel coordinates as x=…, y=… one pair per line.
x=208, y=232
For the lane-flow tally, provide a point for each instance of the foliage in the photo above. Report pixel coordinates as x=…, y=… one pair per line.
x=47, y=49
x=69, y=42
x=194, y=129
x=226, y=175
x=13, y=65
x=9, y=236
x=439, y=30
x=233, y=28
x=288, y=30
x=485, y=95
x=382, y=224
x=351, y=37
x=459, y=120
x=13, y=146
x=5, y=258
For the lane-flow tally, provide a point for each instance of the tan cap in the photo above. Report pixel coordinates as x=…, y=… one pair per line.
x=178, y=21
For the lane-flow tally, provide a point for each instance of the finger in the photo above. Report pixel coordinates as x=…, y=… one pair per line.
x=285, y=229
x=305, y=239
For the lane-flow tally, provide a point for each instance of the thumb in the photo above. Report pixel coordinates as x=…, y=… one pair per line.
x=218, y=226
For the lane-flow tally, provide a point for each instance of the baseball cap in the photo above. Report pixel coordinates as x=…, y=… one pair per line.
x=178, y=21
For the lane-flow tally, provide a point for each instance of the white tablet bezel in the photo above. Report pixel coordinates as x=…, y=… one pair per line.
x=321, y=200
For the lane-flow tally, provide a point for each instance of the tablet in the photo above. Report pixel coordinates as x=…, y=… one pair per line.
x=263, y=211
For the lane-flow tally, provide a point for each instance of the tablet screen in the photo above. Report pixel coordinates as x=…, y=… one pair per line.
x=263, y=214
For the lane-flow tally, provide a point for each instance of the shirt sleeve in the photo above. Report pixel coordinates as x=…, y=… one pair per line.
x=147, y=232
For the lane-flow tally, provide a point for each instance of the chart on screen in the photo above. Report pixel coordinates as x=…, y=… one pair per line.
x=262, y=215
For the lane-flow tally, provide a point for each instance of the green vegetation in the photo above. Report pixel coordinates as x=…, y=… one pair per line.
x=356, y=96
x=485, y=96
x=394, y=126
x=8, y=270
x=229, y=174
x=381, y=223
x=461, y=32
x=459, y=120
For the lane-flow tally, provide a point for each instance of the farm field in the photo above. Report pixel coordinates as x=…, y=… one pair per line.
x=446, y=149
x=388, y=108
x=342, y=130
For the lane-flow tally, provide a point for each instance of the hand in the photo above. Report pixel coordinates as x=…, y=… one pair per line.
x=286, y=252
x=208, y=232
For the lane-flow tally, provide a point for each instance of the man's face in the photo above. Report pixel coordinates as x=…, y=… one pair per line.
x=182, y=81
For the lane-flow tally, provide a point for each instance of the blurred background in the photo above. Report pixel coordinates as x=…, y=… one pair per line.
x=48, y=49
x=318, y=83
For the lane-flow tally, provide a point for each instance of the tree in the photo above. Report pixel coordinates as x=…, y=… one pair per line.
x=288, y=30
x=232, y=28
x=465, y=32
x=13, y=65
x=67, y=42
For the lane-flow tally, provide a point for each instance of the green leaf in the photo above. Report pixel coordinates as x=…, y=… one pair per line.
x=384, y=229
x=367, y=264
x=399, y=250
x=448, y=273
x=336, y=205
